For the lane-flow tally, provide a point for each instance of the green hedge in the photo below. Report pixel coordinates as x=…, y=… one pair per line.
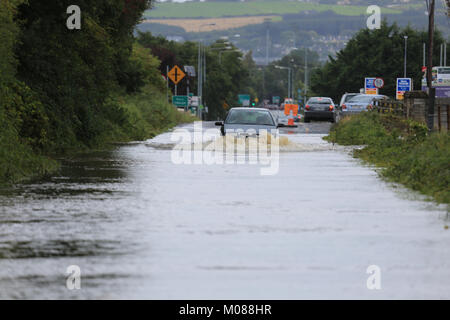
x=404, y=150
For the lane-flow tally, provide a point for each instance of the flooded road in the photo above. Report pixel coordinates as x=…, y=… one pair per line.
x=139, y=226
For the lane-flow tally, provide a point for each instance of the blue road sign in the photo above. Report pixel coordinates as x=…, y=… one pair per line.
x=369, y=86
x=370, y=83
x=403, y=85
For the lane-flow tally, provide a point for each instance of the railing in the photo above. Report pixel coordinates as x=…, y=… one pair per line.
x=441, y=112
x=441, y=120
x=390, y=106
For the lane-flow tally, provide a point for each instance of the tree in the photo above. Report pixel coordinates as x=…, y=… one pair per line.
x=8, y=35
x=373, y=53
x=75, y=71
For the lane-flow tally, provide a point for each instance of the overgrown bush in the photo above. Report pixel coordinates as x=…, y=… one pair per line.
x=403, y=148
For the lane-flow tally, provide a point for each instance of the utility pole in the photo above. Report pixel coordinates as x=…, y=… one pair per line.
x=445, y=54
x=167, y=83
x=431, y=90
x=289, y=78
x=267, y=42
x=289, y=83
x=199, y=74
x=306, y=72
x=424, y=54
x=406, y=51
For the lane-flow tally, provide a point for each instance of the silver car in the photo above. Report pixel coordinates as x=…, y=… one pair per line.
x=362, y=102
x=346, y=97
x=248, y=121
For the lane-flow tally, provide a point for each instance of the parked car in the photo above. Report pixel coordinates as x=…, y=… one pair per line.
x=346, y=97
x=247, y=120
x=320, y=108
x=359, y=103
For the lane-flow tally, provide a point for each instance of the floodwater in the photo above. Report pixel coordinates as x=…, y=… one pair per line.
x=140, y=226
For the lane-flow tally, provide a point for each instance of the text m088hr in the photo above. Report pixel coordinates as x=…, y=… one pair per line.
x=247, y=309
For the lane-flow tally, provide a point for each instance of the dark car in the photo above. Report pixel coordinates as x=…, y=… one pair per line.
x=320, y=108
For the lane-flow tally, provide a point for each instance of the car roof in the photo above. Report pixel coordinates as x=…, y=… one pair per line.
x=373, y=95
x=246, y=108
x=320, y=98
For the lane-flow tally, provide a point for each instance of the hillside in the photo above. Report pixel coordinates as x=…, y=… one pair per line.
x=324, y=26
x=232, y=9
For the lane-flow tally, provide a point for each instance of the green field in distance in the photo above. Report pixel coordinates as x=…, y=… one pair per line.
x=233, y=9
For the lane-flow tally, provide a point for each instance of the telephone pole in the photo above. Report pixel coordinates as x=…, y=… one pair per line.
x=431, y=90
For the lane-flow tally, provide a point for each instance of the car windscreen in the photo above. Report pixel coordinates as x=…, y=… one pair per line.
x=361, y=99
x=349, y=97
x=319, y=101
x=250, y=117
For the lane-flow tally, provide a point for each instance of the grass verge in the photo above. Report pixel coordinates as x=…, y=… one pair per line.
x=403, y=149
x=144, y=116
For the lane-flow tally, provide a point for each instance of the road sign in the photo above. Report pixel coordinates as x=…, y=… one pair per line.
x=369, y=86
x=194, y=101
x=190, y=70
x=180, y=101
x=276, y=100
x=378, y=83
x=244, y=100
x=176, y=74
x=403, y=85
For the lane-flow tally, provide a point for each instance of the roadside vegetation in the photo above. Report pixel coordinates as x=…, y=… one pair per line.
x=360, y=57
x=403, y=149
x=63, y=91
x=228, y=73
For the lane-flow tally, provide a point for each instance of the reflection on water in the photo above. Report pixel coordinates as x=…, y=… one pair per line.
x=139, y=226
x=56, y=248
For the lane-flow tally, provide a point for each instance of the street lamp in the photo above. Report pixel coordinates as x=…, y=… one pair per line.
x=406, y=50
x=295, y=68
x=200, y=67
x=289, y=78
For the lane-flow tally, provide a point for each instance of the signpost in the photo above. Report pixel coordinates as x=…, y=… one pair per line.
x=244, y=100
x=276, y=100
x=403, y=85
x=369, y=86
x=176, y=74
x=194, y=101
x=180, y=101
x=378, y=83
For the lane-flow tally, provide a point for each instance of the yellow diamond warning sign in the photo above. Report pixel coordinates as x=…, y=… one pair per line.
x=176, y=74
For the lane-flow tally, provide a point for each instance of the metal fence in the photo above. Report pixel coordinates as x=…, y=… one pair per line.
x=390, y=106
x=417, y=111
